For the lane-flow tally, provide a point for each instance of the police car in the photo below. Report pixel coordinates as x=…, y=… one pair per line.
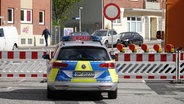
x=81, y=63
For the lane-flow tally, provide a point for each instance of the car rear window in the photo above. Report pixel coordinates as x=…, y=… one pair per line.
x=99, y=33
x=83, y=53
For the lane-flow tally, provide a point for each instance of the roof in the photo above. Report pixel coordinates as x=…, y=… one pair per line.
x=140, y=12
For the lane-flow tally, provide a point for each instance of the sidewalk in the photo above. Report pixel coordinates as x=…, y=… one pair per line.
x=152, y=41
x=149, y=42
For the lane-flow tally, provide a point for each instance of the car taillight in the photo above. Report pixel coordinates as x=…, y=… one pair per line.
x=59, y=65
x=107, y=65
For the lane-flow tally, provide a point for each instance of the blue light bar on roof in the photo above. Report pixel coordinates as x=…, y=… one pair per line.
x=82, y=38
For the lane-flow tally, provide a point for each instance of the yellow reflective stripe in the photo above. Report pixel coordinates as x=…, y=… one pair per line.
x=87, y=66
x=113, y=75
x=83, y=80
x=52, y=75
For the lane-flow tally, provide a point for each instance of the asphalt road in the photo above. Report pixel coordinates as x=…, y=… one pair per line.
x=32, y=91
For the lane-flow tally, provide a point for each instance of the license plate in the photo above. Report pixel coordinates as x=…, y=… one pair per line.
x=83, y=74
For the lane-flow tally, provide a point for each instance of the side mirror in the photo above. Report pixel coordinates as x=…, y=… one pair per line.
x=46, y=56
x=113, y=56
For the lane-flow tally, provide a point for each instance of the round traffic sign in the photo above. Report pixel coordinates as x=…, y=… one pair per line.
x=111, y=11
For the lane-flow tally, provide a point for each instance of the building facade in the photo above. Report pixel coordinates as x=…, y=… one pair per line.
x=142, y=16
x=30, y=17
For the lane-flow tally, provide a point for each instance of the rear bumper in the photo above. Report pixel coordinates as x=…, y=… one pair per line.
x=83, y=86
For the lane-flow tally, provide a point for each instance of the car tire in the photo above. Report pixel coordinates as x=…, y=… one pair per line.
x=118, y=41
x=50, y=93
x=140, y=44
x=15, y=46
x=126, y=44
x=113, y=94
x=107, y=44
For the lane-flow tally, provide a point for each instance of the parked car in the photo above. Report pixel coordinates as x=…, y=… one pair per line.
x=8, y=38
x=79, y=34
x=128, y=38
x=106, y=36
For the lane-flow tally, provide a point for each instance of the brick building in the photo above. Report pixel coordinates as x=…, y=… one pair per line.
x=29, y=17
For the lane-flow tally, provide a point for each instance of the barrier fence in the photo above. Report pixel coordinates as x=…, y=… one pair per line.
x=22, y=64
x=147, y=66
x=21, y=55
x=157, y=66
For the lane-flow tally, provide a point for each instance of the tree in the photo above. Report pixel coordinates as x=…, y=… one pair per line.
x=61, y=10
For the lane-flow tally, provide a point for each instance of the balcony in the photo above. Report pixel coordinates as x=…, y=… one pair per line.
x=152, y=4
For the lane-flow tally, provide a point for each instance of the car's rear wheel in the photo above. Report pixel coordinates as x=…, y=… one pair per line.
x=15, y=46
x=118, y=41
x=113, y=94
x=140, y=44
x=107, y=44
x=126, y=43
x=50, y=93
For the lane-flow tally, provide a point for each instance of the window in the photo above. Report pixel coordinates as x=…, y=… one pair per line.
x=1, y=33
x=10, y=15
x=114, y=32
x=26, y=16
x=134, y=24
x=41, y=41
x=30, y=41
x=23, y=41
x=41, y=17
x=78, y=53
x=134, y=0
x=152, y=0
x=118, y=20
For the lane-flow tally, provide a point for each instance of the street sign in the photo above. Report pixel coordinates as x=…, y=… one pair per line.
x=111, y=11
x=76, y=18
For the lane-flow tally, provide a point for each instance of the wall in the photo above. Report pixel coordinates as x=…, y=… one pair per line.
x=127, y=3
x=15, y=4
x=30, y=32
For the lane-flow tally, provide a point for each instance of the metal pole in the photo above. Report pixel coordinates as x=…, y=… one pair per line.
x=80, y=19
x=102, y=25
x=163, y=18
x=112, y=35
x=51, y=29
x=178, y=66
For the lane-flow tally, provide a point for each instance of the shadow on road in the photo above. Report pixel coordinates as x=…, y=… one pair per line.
x=41, y=95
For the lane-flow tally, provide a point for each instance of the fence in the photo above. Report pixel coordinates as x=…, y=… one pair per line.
x=22, y=64
x=157, y=66
x=147, y=66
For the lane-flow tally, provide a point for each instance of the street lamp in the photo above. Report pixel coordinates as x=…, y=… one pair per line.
x=80, y=8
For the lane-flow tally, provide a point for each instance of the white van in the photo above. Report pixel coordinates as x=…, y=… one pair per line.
x=8, y=38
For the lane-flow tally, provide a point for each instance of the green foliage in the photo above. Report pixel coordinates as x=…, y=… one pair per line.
x=61, y=9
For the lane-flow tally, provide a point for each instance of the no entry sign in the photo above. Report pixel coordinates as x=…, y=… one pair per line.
x=111, y=11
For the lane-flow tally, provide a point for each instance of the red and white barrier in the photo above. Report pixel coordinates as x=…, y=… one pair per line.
x=21, y=54
x=151, y=77
x=19, y=75
x=182, y=56
x=148, y=57
x=23, y=64
x=150, y=66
